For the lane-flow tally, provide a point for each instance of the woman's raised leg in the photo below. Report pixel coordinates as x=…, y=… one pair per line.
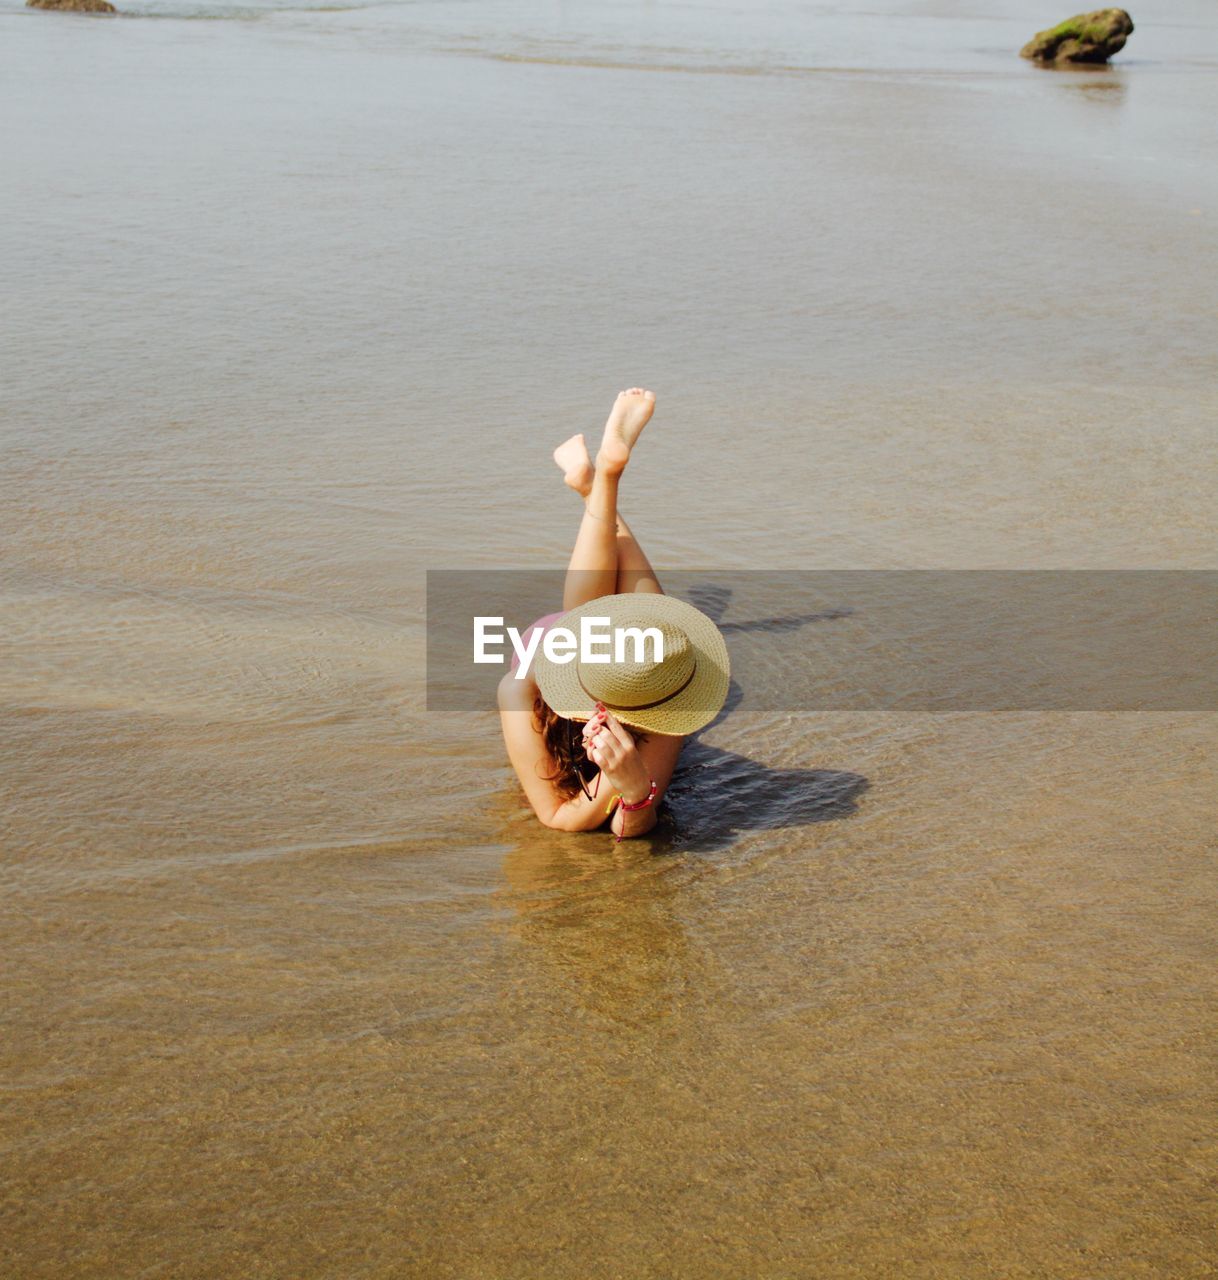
x=634, y=571
x=593, y=569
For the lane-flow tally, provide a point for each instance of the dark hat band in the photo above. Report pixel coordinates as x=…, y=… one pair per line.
x=639, y=706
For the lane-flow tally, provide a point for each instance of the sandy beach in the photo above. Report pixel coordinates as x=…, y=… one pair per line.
x=298, y=301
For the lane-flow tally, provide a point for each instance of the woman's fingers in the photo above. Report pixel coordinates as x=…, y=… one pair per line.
x=605, y=755
x=606, y=741
x=603, y=727
x=615, y=727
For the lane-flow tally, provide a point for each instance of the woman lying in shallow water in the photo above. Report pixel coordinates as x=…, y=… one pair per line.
x=594, y=741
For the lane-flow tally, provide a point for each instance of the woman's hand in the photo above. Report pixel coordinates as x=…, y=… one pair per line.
x=613, y=751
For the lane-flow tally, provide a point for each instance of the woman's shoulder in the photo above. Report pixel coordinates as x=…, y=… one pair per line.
x=517, y=695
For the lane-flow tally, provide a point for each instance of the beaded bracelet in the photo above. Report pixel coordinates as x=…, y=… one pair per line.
x=642, y=804
x=630, y=808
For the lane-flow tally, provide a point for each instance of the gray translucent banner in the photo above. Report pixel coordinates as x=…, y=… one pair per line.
x=893, y=640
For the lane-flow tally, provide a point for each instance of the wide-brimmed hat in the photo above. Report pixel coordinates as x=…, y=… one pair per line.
x=677, y=695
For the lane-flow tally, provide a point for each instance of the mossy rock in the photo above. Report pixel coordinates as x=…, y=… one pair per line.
x=1087, y=37
x=73, y=6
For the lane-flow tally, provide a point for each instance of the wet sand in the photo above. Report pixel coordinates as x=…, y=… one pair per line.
x=296, y=986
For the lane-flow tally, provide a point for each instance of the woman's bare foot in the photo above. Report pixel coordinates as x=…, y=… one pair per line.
x=576, y=466
x=629, y=415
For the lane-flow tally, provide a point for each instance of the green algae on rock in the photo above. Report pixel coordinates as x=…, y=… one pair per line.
x=73, y=6
x=1087, y=37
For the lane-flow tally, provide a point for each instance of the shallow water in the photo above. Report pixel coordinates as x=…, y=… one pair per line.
x=297, y=301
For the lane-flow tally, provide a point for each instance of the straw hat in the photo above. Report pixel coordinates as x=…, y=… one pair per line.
x=677, y=696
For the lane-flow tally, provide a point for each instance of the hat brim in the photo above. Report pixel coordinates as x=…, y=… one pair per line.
x=688, y=711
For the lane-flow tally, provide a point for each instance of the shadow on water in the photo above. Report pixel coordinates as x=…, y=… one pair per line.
x=716, y=796
x=713, y=600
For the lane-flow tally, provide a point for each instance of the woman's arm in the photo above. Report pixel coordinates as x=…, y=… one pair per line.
x=634, y=767
x=630, y=769
x=532, y=763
